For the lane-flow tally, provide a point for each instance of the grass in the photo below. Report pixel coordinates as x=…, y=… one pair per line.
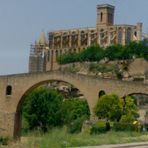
x=59, y=138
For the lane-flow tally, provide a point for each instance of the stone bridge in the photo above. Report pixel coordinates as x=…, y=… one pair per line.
x=14, y=88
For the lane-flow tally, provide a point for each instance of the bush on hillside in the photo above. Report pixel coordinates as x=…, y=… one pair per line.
x=104, y=68
x=112, y=52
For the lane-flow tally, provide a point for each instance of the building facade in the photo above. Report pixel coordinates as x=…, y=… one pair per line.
x=44, y=52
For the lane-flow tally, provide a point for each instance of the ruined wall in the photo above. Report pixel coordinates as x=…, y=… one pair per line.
x=138, y=67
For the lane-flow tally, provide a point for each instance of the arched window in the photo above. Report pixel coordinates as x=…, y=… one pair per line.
x=74, y=50
x=56, y=53
x=110, y=18
x=128, y=36
x=9, y=90
x=101, y=93
x=101, y=17
x=135, y=33
x=48, y=56
x=82, y=32
x=120, y=36
x=102, y=33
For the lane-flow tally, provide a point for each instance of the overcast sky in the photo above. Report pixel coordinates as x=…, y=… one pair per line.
x=21, y=22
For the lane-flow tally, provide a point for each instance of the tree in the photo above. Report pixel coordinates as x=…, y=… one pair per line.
x=42, y=109
x=130, y=107
x=127, y=118
x=92, y=53
x=145, y=49
x=68, y=58
x=73, y=109
x=126, y=53
x=109, y=107
x=113, y=108
x=114, y=52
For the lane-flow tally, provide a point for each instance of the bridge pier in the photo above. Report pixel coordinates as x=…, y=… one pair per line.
x=7, y=124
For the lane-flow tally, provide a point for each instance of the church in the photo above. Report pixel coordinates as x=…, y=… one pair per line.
x=44, y=52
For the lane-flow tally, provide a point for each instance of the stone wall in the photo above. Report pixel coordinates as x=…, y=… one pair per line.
x=136, y=68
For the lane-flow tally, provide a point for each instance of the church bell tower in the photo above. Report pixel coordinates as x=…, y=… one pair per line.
x=105, y=15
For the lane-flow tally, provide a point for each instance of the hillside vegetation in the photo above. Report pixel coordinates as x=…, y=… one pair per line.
x=113, y=52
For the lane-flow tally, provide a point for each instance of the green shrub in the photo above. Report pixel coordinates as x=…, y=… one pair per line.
x=100, y=127
x=127, y=118
x=73, y=109
x=146, y=56
x=4, y=140
x=109, y=107
x=68, y=58
x=92, y=53
x=76, y=125
x=118, y=126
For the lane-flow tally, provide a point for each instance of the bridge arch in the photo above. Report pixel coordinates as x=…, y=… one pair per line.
x=141, y=99
x=17, y=124
x=138, y=93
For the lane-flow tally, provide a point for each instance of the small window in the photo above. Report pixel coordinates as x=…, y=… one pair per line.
x=9, y=90
x=135, y=33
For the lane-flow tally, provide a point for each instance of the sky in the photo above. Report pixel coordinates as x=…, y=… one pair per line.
x=22, y=21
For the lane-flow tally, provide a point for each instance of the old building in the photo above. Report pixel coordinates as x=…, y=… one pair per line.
x=45, y=51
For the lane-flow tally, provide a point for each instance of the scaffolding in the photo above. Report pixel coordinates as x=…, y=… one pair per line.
x=37, y=58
